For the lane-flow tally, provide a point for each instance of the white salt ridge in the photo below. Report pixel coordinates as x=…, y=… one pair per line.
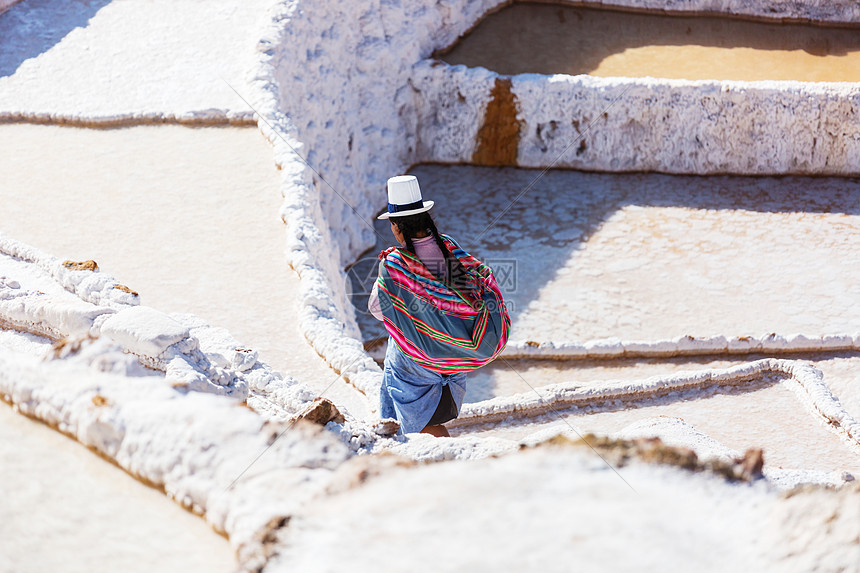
x=143, y=331
x=45, y=315
x=805, y=381
x=642, y=124
x=192, y=354
x=208, y=118
x=89, y=286
x=681, y=346
x=836, y=11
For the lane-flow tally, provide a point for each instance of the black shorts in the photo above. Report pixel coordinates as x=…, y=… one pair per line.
x=446, y=410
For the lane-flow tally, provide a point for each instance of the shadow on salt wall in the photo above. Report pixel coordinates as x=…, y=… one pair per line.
x=551, y=39
x=33, y=27
x=542, y=230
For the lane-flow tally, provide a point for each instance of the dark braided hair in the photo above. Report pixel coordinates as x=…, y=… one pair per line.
x=418, y=225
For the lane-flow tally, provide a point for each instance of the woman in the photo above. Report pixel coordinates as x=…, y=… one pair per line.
x=442, y=309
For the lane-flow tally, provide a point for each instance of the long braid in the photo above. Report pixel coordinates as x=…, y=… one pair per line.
x=413, y=225
x=456, y=272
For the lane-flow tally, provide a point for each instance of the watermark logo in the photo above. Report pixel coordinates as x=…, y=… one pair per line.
x=505, y=273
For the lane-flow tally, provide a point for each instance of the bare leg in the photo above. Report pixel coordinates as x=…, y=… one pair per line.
x=439, y=431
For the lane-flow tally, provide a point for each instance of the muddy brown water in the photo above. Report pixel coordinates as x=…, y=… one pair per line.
x=552, y=39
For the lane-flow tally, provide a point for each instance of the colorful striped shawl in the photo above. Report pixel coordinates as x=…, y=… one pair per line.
x=444, y=328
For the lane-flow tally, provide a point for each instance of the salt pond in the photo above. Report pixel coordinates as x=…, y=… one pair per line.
x=644, y=257
x=187, y=217
x=65, y=509
x=547, y=39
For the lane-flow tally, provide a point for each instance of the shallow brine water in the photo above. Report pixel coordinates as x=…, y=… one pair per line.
x=548, y=39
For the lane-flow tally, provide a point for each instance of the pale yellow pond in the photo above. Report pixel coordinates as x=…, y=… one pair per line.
x=551, y=39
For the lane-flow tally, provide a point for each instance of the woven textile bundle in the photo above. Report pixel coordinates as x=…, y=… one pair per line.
x=446, y=328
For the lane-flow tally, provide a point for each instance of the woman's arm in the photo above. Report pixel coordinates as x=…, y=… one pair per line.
x=373, y=304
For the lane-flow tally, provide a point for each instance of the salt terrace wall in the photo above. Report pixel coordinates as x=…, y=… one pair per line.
x=643, y=124
x=350, y=88
x=334, y=87
x=647, y=124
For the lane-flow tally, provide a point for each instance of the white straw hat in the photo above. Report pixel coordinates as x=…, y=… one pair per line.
x=404, y=197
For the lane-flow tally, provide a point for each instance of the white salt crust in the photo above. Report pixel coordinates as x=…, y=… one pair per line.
x=613, y=348
x=128, y=63
x=804, y=380
x=92, y=287
x=206, y=118
x=192, y=445
x=192, y=354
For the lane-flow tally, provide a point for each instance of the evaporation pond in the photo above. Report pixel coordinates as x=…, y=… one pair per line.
x=549, y=39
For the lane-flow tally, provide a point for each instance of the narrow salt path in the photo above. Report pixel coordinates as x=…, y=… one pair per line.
x=65, y=509
x=547, y=39
x=187, y=217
